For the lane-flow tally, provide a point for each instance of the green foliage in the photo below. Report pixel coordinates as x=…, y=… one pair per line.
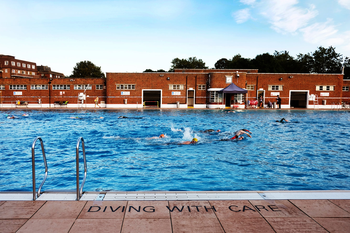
x=323, y=60
x=148, y=70
x=190, y=63
x=87, y=69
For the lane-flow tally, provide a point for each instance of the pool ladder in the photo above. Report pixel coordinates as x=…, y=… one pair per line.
x=79, y=190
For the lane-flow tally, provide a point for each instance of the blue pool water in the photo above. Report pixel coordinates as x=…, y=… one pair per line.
x=310, y=153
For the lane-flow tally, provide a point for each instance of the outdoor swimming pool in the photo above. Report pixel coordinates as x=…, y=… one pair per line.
x=310, y=153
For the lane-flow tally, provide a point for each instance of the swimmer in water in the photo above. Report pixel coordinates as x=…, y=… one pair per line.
x=11, y=117
x=25, y=115
x=122, y=117
x=194, y=141
x=211, y=130
x=239, y=133
x=282, y=120
x=160, y=136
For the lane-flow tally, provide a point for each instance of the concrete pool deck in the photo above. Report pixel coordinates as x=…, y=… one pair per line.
x=270, y=211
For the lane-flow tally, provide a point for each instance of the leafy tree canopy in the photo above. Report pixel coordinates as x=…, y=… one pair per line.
x=87, y=69
x=190, y=63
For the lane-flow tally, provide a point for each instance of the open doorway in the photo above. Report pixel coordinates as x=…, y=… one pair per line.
x=260, y=98
x=298, y=99
x=152, y=98
x=228, y=100
x=190, y=98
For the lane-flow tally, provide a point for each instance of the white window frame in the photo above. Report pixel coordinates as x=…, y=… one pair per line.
x=176, y=86
x=99, y=87
x=24, y=65
x=39, y=87
x=125, y=86
x=18, y=87
x=345, y=88
x=275, y=88
x=28, y=66
x=82, y=87
x=325, y=88
x=13, y=63
x=18, y=64
x=5, y=70
x=18, y=71
x=61, y=87
x=229, y=78
x=2, y=87
x=250, y=87
x=13, y=71
x=215, y=97
x=202, y=86
x=33, y=67
x=6, y=63
x=238, y=98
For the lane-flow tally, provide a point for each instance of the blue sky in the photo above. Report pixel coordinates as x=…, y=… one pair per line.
x=134, y=35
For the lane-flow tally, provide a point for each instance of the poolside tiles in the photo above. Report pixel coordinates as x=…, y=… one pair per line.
x=176, y=216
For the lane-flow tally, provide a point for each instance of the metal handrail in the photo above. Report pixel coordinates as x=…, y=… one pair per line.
x=37, y=194
x=80, y=190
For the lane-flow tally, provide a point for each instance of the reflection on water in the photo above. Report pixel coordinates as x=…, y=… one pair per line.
x=311, y=152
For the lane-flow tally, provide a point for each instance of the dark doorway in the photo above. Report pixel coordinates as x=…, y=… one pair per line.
x=228, y=100
x=190, y=99
x=151, y=99
x=298, y=99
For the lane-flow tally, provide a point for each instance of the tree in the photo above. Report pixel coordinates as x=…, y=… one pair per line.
x=190, y=63
x=347, y=68
x=87, y=69
x=266, y=63
x=327, y=60
x=148, y=70
x=286, y=63
x=223, y=63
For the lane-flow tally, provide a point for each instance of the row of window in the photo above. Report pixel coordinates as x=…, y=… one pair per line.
x=24, y=65
x=280, y=88
x=54, y=87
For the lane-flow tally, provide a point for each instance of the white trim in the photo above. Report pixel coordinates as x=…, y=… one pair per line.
x=307, y=97
x=161, y=96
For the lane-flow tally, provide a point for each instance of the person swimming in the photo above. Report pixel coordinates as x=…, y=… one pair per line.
x=239, y=133
x=194, y=141
x=160, y=136
x=211, y=130
x=282, y=120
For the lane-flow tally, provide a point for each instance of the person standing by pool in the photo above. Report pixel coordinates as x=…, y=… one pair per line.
x=96, y=102
x=279, y=102
x=240, y=132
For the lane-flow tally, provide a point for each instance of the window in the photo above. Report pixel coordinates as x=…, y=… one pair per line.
x=176, y=87
x=50, y=75
x=82, y=87
x=23, y=72
x=215, y=97
x=345, y=88
x=23, y=65
x=99, y=87
x=6, y=63
x=13, y=63
x=275, y=88
x=228, y=79
x=28, y=66
x=201, y=87
x=33, y=67
x=13, y=71
x=33, y=73
x=18, y=64
x=125, y=86
x=324, y=88
x=2, y=87
x=5, y=70
x=238, y=98
x=60, y=87
x=39, y=87
x=250, y=87
x=18, y=87
x=18, y=71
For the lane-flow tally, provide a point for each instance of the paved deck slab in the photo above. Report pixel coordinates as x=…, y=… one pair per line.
x=321, y=215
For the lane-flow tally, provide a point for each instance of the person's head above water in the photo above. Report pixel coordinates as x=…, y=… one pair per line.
x=194, y=140
x=162, y=136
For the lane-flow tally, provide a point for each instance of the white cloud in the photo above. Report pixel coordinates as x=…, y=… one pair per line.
x=345, y=3
x=249, y=2
x=285, y=16
x=319, y=33
x=241, y=16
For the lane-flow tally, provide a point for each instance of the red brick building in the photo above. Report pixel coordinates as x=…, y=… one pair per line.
x=23, y=83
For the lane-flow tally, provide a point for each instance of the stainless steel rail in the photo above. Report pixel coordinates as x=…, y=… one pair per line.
x=80, y=190
x=37, y=194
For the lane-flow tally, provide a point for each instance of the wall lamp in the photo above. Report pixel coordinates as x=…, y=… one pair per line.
x=167, y=78
x=281, y=79
x=290, y=76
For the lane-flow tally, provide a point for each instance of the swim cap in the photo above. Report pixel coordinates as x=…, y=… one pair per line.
x=162, y=136
x=195, y=139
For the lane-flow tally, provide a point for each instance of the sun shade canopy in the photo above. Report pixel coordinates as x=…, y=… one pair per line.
x=232, y=88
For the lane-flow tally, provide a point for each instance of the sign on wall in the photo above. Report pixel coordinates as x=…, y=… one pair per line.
x=324, y=94
x=17, y=93
x=175, y=93
x=275, y=93
x=125, y=93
